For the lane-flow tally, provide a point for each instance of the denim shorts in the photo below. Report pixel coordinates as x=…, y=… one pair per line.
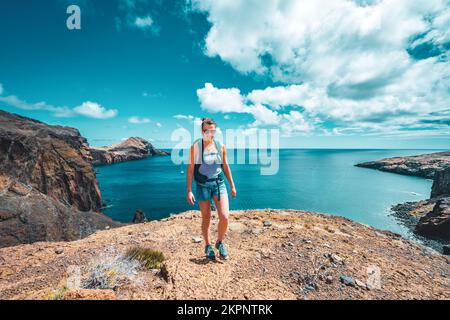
x=206, y=191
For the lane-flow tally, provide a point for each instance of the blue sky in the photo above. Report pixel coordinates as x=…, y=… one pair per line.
x=336, y=74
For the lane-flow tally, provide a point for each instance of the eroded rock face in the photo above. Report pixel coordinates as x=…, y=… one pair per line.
x=424, y=165
x=436, y=223
x=441, y=183
x=54, y=160
x=48, y=187
x=131, y=149
x=27, y=216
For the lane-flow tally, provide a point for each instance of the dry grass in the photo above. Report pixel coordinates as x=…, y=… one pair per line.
x=148, y=258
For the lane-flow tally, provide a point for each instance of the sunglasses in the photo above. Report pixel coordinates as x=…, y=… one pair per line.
x=209, y=131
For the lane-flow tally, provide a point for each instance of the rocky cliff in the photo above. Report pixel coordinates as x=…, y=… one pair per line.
x=441, y=183
x=424, y=165
x=430, y=217
x=274, y=254
x=131, y=149
x=436, y=223
x=54, y=160
x=48, y=188
x=27, y=216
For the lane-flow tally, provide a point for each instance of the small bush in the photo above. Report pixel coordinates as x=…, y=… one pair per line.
x=148, y=258
x=57, y=294
x=110, y=270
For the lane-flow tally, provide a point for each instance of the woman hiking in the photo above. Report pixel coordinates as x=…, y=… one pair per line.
x=208, y=164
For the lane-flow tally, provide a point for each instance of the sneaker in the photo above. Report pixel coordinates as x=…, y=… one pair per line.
x=222, y=249
x=209, y=252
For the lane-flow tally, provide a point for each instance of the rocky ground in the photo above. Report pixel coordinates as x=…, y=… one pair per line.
x=273, y=255
x=424, y=165
x=131, y=149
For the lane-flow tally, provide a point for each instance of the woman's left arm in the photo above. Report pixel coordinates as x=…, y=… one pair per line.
x=227, y=171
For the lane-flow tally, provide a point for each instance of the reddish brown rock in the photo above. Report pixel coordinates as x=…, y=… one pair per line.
x=28, y=216
x=436, y=224
x=54, y=160
x=48, y=187
x=441, y=183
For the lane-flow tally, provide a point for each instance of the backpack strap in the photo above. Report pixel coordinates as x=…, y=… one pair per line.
x=198, y=146
x=219, y=150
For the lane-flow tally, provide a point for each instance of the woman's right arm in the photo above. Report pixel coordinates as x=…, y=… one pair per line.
x=190, y=172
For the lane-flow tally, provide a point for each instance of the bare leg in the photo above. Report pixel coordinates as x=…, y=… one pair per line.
x=205, y=208
x=223, y=210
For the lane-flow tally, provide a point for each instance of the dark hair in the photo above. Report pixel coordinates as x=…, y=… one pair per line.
x=208, y=121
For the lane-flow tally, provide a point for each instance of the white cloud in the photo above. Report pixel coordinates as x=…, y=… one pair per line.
x=295, y=122
x=300, y=36
x=278, y=97
x=264, y=116
x=221, y=100
x=182, y=116
x=143, y=22
x=87, y=109
x=190, y=118
x=44, y=106
x=134, y=13
x=158, y=124
x=214, y=100
x=138, y=120
x=357, y=62
x=94, y=110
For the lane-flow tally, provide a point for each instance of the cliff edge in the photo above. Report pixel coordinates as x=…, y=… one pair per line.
x=274, y=254
x=48, y=187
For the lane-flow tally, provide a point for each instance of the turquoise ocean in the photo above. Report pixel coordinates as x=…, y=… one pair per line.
x=321, y=180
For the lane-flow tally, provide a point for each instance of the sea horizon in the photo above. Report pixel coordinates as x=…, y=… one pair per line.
x=311, y=179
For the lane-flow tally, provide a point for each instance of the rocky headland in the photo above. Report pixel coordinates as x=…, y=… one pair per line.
x=133, y=148
x=424, y=165
x=429, y=218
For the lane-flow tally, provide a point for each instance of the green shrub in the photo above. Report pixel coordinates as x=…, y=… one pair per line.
x=149, y=258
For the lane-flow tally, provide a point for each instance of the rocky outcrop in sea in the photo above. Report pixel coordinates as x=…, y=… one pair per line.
x=48, y=187
x=429, y=218
x=424, y=165
x=133, y=148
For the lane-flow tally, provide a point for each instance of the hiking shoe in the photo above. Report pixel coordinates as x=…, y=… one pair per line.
x=209, y=252
x=222, y=249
